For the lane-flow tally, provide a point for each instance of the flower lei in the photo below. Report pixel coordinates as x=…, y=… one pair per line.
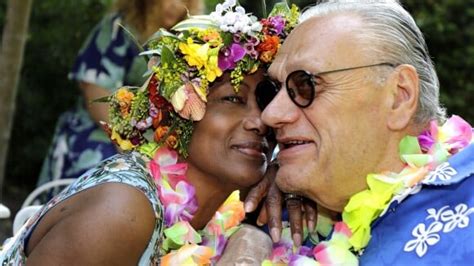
x=421, y=154
x=183, y=66
x=182, y=245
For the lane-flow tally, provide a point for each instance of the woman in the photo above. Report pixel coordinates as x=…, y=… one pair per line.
x=199, y=102
x=108, y=59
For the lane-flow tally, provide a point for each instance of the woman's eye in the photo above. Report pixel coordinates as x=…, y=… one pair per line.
x=233, y=99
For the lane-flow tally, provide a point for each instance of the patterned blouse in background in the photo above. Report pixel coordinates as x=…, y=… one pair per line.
x=109, y=58
x=127, y=169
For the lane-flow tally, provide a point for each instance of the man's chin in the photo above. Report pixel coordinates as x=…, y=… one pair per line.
x=287, y=183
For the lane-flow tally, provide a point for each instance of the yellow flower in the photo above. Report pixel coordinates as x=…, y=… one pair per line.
x=203, y=57
x=212, y=67
x=195, y=54
x=124, y=144
x=124, y=95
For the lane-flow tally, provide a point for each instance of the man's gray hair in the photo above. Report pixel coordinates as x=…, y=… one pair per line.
x=391, y=35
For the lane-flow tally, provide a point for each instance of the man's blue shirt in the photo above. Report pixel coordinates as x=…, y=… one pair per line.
x=435, y=225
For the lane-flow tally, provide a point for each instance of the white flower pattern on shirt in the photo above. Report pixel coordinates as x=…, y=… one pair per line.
x=458, y=218
x=444, y=220
x=424, y=237
x=444, y=172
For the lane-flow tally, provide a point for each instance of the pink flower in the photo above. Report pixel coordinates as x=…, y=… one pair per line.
x=177, y=196
x=454, y=135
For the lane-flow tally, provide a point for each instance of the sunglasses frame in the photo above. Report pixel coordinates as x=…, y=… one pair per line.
x=291, y=91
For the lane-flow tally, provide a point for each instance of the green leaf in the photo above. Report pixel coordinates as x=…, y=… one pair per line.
x=409, y=145
x=167, y=56
x=160, y=34
x=280, y=8
x=132, y=37
x=227, y=38
x=104, y=99
x=201, y=22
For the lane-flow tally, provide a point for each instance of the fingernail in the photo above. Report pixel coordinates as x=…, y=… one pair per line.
x=311, y=226
x=259, y=223
x=248, y=206
x=297, y=239
x=275, y=234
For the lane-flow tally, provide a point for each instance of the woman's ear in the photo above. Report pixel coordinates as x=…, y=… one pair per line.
x=405, y=94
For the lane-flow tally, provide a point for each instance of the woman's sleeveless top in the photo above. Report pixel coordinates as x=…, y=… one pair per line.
x=127, y=169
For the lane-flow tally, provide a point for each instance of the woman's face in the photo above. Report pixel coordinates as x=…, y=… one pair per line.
x=229, y=142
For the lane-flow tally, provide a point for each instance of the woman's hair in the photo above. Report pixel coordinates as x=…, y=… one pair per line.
x=135, y=11
x=391, y=35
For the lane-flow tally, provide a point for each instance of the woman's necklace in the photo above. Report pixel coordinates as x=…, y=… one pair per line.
x=182, y=245
x=421, y=155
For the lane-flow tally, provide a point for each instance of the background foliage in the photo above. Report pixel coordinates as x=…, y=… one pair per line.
x=58, y=28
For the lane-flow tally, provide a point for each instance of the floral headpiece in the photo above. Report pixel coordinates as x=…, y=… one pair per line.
x=199, y=50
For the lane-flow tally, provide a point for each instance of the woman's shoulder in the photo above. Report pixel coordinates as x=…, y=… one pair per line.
x=109, y=205
x=112, y=222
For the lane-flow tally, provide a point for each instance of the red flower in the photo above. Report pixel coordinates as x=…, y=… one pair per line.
x=161, y=118
x=159, y=101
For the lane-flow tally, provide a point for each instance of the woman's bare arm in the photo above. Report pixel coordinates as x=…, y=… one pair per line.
x=110, y=224
x=91, y=92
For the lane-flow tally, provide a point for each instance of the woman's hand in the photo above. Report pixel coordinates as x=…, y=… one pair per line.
x=299, y=211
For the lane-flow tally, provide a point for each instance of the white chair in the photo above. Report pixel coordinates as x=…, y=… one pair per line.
x=4, y=212
x=33, y=203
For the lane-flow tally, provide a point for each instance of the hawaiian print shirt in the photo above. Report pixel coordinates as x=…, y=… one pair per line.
x=109, y=59
x=432, y=226
x=127, y=169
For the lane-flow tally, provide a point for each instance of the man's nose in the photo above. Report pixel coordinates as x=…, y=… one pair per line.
x=281, y=110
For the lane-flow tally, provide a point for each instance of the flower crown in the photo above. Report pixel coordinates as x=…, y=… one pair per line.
x=199, y=50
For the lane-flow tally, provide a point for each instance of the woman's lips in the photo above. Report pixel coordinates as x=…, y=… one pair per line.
x=253, y=149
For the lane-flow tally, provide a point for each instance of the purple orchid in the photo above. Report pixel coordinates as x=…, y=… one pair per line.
x=278, y=24
x=229, y=56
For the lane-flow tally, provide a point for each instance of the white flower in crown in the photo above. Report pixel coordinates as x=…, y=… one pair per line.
x=232, y=21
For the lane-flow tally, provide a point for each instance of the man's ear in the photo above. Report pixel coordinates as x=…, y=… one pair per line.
x=405, y=95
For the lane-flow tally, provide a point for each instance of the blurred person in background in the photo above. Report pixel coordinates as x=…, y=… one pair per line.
x=107, y=60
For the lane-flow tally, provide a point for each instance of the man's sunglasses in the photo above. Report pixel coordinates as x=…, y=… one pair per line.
x=300, y=85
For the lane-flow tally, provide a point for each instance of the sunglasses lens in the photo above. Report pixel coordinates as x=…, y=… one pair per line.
x=301, y=85
x=265, y=92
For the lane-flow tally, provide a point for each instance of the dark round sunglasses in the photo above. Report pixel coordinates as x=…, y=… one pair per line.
x=300, y=85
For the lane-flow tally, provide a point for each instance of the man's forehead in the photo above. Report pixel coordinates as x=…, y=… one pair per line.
x=317, y=44
x=297, y=52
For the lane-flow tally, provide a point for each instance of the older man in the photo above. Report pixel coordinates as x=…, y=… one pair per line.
x=356, y=82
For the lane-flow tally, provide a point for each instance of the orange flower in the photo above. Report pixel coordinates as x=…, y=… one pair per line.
x=125, y=98
x=268, y=48
x=172, y=141
x=124, y=95
x=160, y=132
x=213, y=37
